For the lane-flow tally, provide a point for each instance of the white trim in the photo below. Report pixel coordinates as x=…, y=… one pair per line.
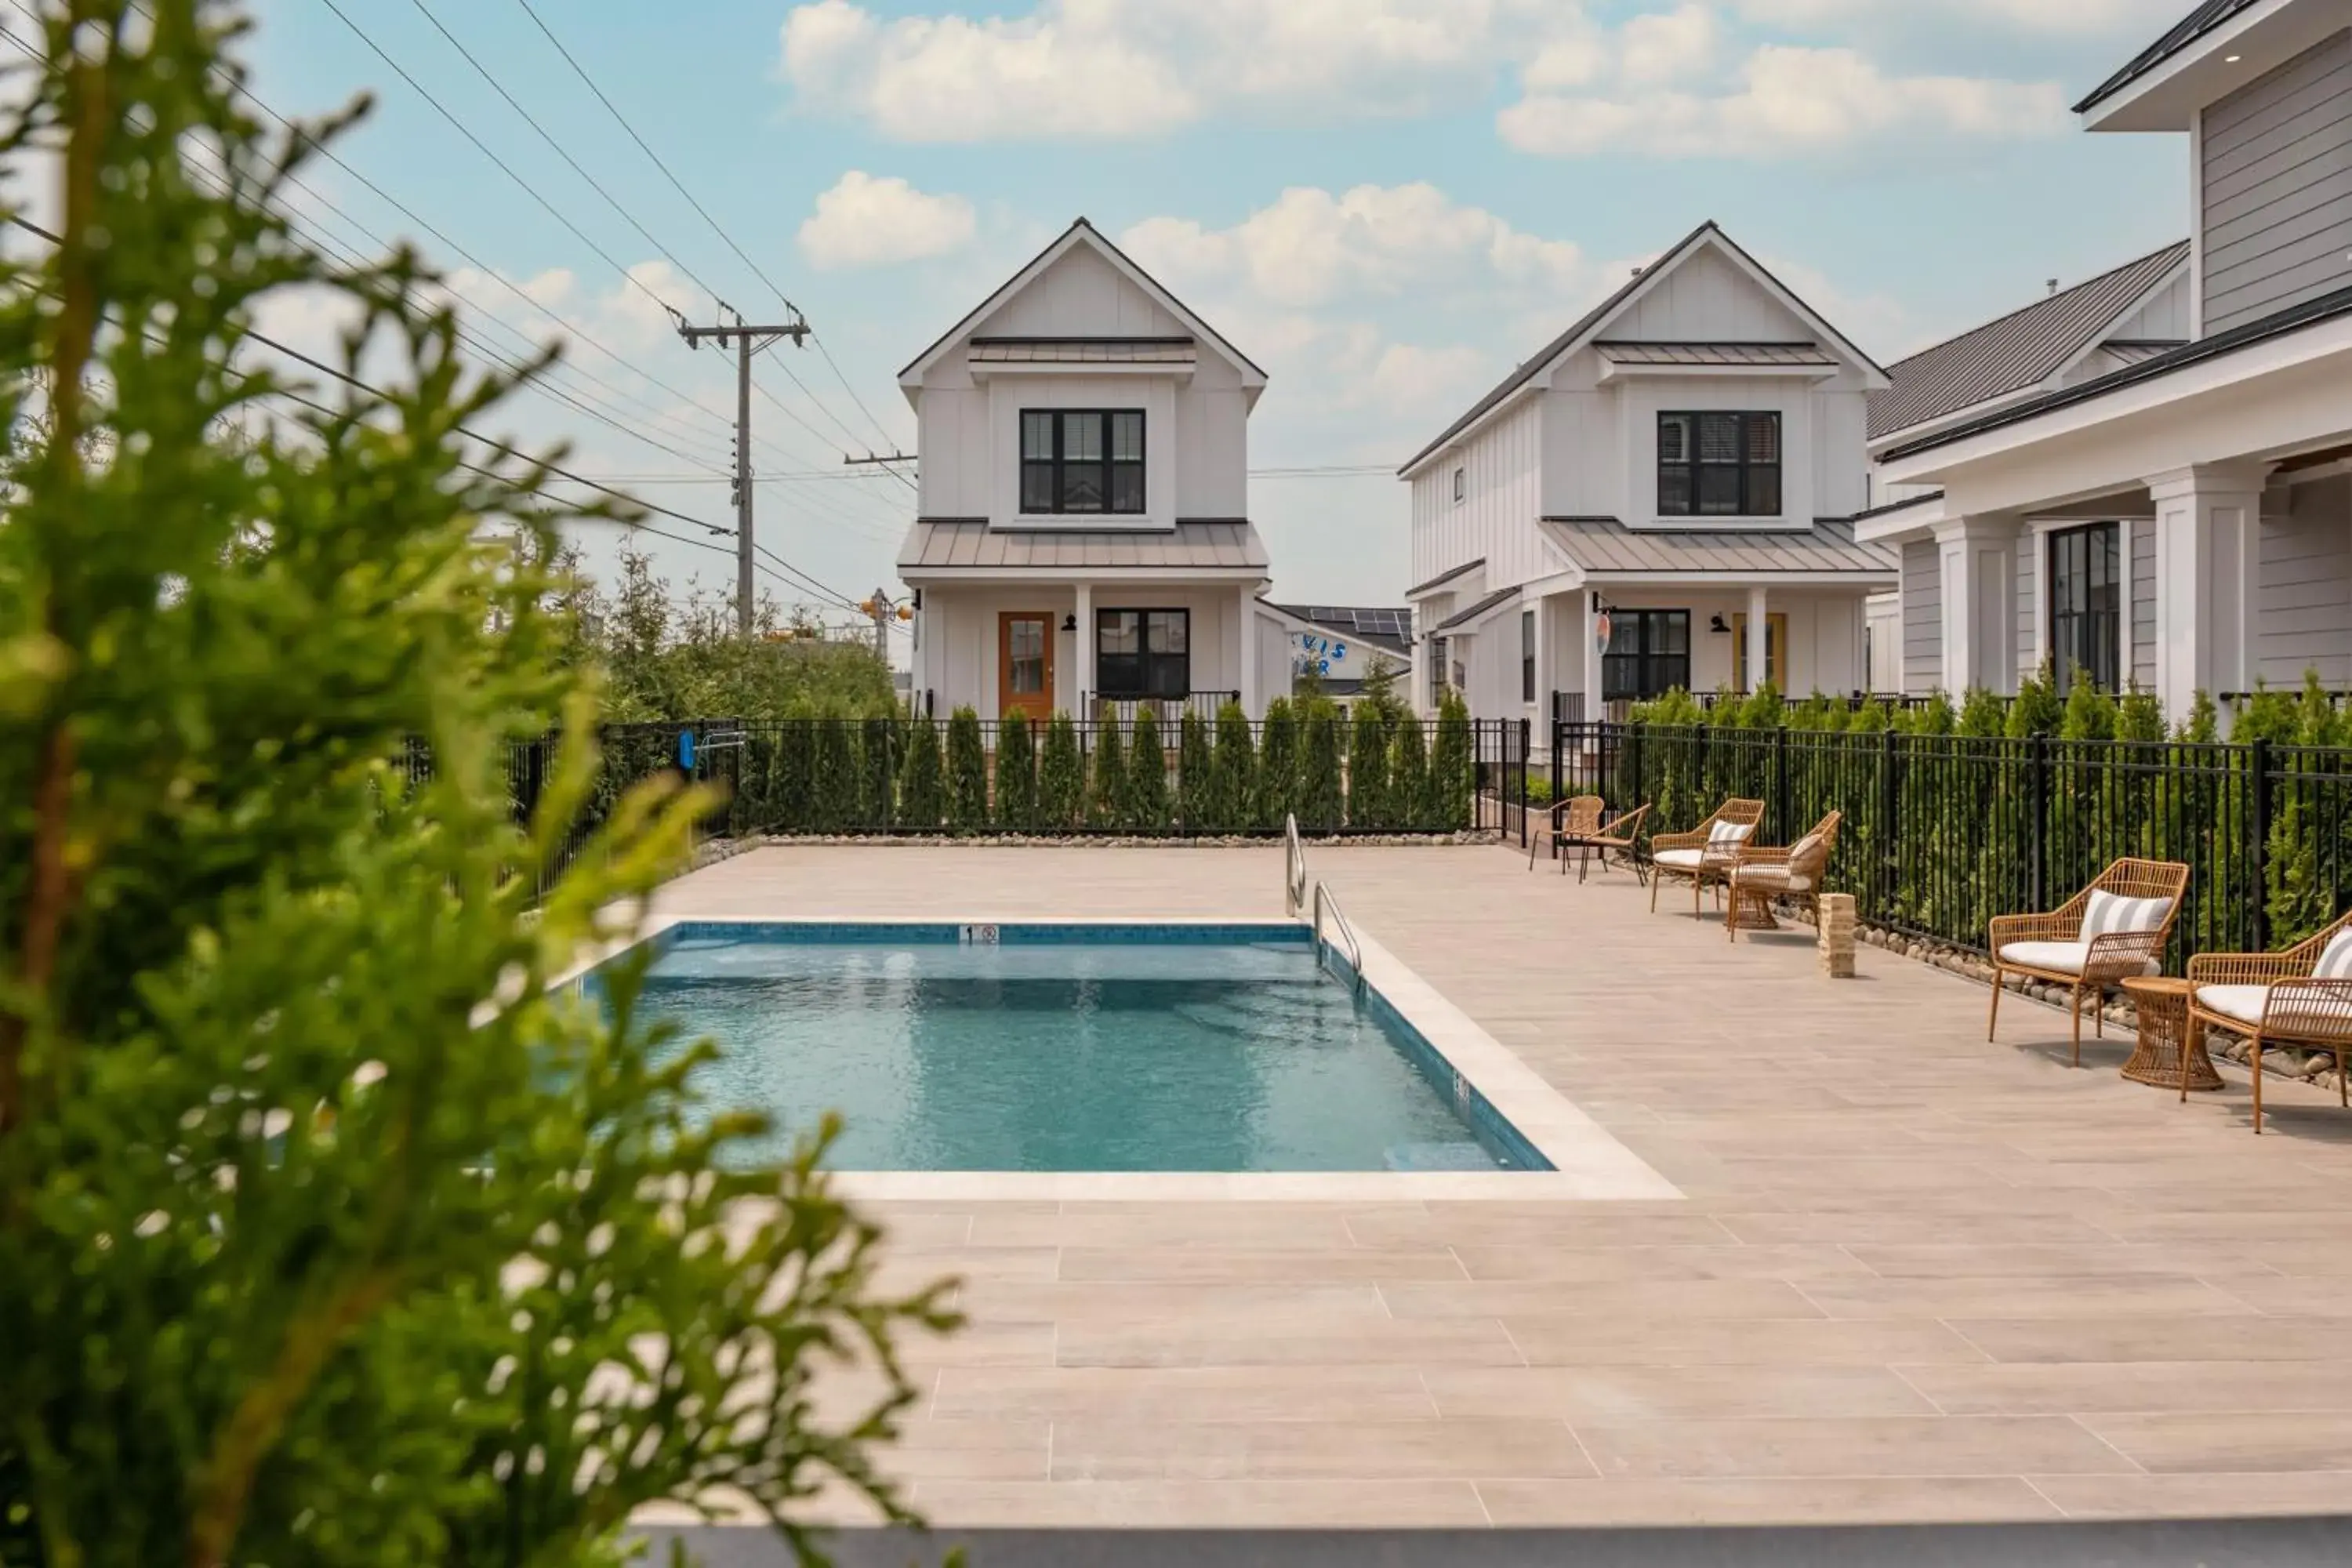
x=1448, y=627
x=1916, y=521
x=2197, y=226
x=987, y=370
x=1013, y=575
x=2118, y=106
x=2097, y=339
x=1612, y=371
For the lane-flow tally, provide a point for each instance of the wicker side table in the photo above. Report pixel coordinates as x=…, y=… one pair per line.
x=2170, y=1054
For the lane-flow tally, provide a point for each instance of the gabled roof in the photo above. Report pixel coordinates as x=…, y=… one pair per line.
x=1588, y=325
x=2019, y=350
x=1602, y=546
x=1484, y=606
x=1078, y=234
x=2207, y=17
x=1443, y=578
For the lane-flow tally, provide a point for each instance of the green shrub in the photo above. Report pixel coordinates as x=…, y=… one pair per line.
x=2139, y=717
x=833, y=780
x=2037, y=711
x=1195, y=786
x=1409, y=796
x=1278, y=765
x=923, y=794
x=1146, y=774
x=1061, y=776
x=1368, y=769
x=794, y=773
x=878, y=748
x=1107, y=798
x=1453, y=766
x=1983, y=714
x=1016, y=774
x=1321, y=792
x=967, y=773
x=1233, y=770
x=2089, y=714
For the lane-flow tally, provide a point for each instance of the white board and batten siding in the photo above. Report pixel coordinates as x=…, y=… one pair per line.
x=2276, y=189
x=1501, y=467
x=1196, y=428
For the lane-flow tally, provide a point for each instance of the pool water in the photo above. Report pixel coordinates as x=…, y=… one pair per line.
x=1071, y=1051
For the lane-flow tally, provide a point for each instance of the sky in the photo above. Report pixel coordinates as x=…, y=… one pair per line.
x=1388, y=204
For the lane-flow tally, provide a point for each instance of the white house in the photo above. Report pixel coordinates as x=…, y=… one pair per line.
x=2148, y=477
x=1658, y=498
x=1082, y=537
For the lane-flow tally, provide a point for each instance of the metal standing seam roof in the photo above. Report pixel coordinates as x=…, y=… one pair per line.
x=1463, y=617
x=1196, y=546
x=2179, y=37
x=2019, y=350
x=1443, y=578
x=1083, y=350
x=1605, y=545
x=1717, y=353
x=2132, y=351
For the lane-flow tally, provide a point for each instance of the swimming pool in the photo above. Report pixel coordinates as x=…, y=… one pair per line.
x=1072, y=1047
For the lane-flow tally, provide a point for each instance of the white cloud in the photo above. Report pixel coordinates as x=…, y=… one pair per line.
x=1135, y=67
x=869, y=221
x=1311, y=246
x=1781, y=101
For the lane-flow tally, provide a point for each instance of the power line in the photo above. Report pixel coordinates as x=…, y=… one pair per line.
x=532, y=191
x=679, y=186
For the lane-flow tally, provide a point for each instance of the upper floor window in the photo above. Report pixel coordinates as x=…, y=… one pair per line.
x=1082, y=460
x=1720, y=465
x=2086, y=606
x=1461, y=483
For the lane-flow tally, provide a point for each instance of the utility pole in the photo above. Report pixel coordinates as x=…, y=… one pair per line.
x=885, y=609
x=748, y=339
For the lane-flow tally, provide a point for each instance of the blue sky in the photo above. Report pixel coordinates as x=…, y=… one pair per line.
x=1387, y=203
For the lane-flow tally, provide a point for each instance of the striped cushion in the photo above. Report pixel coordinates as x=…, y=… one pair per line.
x=2335, y=959
x=2108, y=914
x=1729, y=832
x=1805, y=848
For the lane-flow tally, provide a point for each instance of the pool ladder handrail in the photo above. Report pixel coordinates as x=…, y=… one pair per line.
x=1294, y=868
x=1325, y=898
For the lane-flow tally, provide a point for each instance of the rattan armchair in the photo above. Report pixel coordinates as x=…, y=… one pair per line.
x=1571, y=821
x=1762, y=875
x=2088, y=949
x=2303, y=995
x=1623, y=836
x=1706, y=853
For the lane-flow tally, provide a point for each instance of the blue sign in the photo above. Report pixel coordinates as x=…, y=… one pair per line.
x=1319, y=655
x=685, y=750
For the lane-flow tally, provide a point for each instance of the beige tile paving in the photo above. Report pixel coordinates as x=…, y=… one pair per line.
x=1914, y=1276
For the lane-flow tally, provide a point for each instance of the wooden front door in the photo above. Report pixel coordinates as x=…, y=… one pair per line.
x=1025, y=664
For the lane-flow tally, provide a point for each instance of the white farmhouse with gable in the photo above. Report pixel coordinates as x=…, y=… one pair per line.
x=1083, y=540
x=2181, y=516
x=1661, y=497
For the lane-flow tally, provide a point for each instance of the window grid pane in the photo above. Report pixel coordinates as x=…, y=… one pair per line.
x=1719, y=463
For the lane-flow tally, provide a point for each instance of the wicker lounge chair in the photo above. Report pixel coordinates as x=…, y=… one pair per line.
x=1624, y=837
x=1569, y=822
x=1707, y=852
x=2303, y=995
x=1762, y=875
x=2113, y=929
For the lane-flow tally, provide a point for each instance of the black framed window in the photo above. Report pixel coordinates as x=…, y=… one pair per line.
x=1720, y=465
x=1461, y=483
x=1082, y=460
x=1648, y=654
x=2086, y=605
x=1527, y=656
x=1143, y=653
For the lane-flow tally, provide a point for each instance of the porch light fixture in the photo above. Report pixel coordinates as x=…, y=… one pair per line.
x=1716, y=624
x=1070, y=622
x=2232, y=60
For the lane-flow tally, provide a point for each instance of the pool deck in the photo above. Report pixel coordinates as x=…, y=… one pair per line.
x=1912, y=1276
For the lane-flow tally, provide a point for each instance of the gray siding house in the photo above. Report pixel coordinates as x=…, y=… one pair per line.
x=2145, y=479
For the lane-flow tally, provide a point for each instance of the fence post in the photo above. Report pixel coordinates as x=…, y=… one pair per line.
x=2037, y=798
x=1889, y=873
x=534, y=776
x=1642, y=790
x=1558, y=744
x=1525, y=734
x=2258, y=826
x=1780, y=822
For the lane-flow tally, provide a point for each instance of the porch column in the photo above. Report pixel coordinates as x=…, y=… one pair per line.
x=1085, y=662
x=1541, y=699
x=1978, y=557
x=1249, y=671
x=1760, y=638
x=1588, y=663
x=2208, y=580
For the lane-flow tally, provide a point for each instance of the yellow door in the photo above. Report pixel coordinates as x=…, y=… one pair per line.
x=1776, y=652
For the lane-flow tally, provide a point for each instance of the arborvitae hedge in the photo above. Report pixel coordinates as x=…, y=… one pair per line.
x=1278, y=765
x=1194, y=785
x=1321, y=805
x=1061, y=776
x=966, y=772
x=1409, y=804
x=1147, y=776
x=1233, y=772
x=1454, y=765
x=1367, y=768
x=1106, y=788
x=1016, y=774
x=833, y=783
x=877, y=796
x=922, y=794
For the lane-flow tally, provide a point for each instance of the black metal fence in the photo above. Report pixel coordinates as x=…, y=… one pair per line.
x=1189, y=778
x=1940, y=833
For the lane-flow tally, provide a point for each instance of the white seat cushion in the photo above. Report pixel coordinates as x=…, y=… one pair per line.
x=1679, y=859
x=2243, y=1003
x=2335, y=959
x=2056, y=957
x=2108, y=914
